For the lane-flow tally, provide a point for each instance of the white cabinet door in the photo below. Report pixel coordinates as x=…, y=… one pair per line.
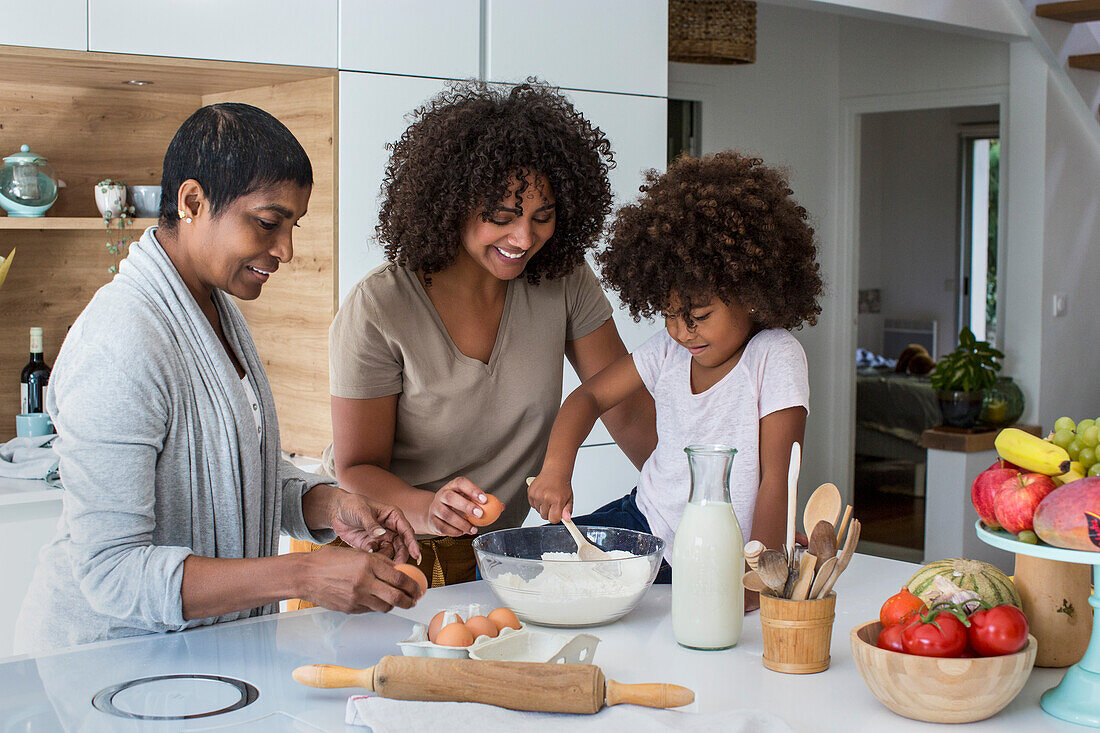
x=262, y=31
x=601, y=475
x=636, y=127
x=373, y=109
x=610, y=45
x=45, y=24
x=438, y=38
x=24, y=529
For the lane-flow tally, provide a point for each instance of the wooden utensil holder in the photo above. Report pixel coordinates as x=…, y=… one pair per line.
x=797, y=634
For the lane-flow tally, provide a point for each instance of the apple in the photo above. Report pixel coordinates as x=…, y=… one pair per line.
x=984, y=490
x=1018, y=497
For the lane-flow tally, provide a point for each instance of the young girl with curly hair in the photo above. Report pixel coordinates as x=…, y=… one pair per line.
x=446, y=363
x=718, y=247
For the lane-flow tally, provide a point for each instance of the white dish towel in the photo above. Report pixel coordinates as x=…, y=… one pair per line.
x=399, y=716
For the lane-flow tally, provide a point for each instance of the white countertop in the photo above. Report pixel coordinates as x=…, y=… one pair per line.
x=53, y=692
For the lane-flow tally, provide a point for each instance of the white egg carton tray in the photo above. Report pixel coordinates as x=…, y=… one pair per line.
x=511, y=645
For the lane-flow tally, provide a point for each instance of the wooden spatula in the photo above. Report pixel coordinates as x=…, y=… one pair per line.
x=547, y=688
x=801, y=589
x=845, y=556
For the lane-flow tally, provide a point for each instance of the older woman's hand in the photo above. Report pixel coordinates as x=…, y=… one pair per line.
x=349, y=580
x=373, y=527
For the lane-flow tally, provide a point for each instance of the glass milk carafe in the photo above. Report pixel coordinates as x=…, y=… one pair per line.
x=708, y=556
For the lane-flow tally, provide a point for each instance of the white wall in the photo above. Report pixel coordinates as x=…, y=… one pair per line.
x=909, y=211
x=1071, y=265
x=787, y=108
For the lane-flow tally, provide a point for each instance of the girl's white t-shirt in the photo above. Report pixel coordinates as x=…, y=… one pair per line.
x=770, y=376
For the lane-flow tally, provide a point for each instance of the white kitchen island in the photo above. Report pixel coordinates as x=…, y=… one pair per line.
x=53, y=692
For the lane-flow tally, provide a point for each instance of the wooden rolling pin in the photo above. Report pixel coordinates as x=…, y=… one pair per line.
x=546, y=688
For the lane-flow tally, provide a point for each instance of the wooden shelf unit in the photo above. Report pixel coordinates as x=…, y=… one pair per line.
x=74, y=109
x=69, y=223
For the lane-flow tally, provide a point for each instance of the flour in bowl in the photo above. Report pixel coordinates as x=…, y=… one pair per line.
x=569, y=592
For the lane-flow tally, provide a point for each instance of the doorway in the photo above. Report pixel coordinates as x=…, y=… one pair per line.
x=927, y=267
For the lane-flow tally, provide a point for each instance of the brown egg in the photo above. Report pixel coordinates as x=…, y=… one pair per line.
x=492, y=509
x=479, y=626
x=504, y=618
x=455, y=634
x=413, y=572
x=437, y=623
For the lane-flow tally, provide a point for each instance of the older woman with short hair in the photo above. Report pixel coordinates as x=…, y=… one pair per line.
x=175, y=490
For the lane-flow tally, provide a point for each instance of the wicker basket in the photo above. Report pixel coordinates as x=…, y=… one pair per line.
x=712, y=31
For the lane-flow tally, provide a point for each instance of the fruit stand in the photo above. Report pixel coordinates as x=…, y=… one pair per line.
x=1077, y=697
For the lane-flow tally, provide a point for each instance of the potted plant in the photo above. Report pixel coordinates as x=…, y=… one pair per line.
x=110, y=197
x=961, y=377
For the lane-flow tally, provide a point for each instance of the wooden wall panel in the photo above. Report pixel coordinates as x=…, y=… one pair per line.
x=290, y=319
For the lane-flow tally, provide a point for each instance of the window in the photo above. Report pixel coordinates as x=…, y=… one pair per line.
x=978, y=261
x=683, y=128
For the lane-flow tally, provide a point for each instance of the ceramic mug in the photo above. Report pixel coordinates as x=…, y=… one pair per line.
x=146, y=201
x=33, y=424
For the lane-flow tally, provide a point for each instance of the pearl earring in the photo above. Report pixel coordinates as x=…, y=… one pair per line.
x=188, y=219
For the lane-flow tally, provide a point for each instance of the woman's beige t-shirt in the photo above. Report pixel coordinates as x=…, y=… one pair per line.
x=457, y=416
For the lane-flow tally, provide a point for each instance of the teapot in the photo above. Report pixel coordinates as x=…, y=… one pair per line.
x=28, y=186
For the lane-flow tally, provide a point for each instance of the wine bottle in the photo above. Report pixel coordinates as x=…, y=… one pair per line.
x=35, y=377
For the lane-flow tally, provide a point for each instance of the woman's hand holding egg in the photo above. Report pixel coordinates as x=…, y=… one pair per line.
x=352, y=581
x=453, y=506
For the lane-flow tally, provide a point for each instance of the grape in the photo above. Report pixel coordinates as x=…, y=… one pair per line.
x=1074, y=449
x=1085, y=425
x=1065, y=423
x=1029, y=537
x=1086, y=457
x=1088, y=437
x=1063, y=438
x=1094, y=470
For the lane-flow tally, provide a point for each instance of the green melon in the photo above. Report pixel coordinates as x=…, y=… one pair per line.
x=993, y=586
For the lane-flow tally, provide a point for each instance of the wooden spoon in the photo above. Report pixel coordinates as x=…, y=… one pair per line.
x=825, y=503
x=752, y=553
x=792, y=499
x=823, y=543
x=823, y=575
x=772, y=569
x=845, y=556
x=801, y=589
x=843, y=525
x=754, y=582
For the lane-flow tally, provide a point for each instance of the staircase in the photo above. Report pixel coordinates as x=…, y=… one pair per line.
x=1072, y=31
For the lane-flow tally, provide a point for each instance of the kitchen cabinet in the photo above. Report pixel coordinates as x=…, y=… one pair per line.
x=611, y=46
x=439, y=38
x=260, y=31
x=636, y=126
x=373, y=110
x=45, y=24
x=28, y=520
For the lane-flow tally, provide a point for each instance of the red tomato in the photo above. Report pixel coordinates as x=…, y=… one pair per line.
x=942, y=636
x=890, y=638
x=899, y=607
x=998, y=630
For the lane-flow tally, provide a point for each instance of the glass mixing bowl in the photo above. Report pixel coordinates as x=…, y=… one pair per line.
x=564, y=592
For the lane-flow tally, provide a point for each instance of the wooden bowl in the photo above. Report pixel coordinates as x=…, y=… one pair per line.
x=940, y=690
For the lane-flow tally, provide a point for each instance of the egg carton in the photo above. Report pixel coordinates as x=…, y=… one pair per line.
x=511, y=645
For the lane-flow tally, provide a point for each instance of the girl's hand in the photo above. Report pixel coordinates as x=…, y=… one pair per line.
x=454, y=500
x=551, y=496
x=349, y=580
x=373, y=527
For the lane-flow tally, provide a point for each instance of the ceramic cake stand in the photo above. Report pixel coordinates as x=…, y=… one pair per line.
x=1077, y=696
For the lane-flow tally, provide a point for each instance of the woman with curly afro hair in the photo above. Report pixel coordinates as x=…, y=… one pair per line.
x=718, y=247
x=447, y=361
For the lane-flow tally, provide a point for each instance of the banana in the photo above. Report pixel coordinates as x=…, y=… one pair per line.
x=1031, y=452
x=1076, y=471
